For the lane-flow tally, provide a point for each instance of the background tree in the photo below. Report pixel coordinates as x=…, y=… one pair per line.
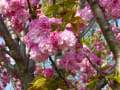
x=60, y=44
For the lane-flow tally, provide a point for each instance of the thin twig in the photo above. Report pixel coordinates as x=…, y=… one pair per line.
x=93, y=65
x=30, y=9
x=87, y=29
x=3, y=49
x=103, y=81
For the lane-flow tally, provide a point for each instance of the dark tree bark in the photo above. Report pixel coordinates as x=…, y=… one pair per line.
x=28, y=76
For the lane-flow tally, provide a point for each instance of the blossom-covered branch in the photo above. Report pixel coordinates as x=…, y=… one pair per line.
x=113, y=43
x=105, y=27
x=9, y=68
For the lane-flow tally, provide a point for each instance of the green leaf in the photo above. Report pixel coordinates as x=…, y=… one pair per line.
x=54, y=83
x=66, y=17
x=78, y=19
x=118, y=79
x=40, y=82
x=91, y=78
x=105, y=68
x=59, y=7
x=63, y=26
x=54, y=26
x=51, y=9
x=36, y=78
x=110, y=76
x=92, y=84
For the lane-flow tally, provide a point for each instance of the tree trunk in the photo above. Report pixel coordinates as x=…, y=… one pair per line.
x=27, y=76
x=25, y=79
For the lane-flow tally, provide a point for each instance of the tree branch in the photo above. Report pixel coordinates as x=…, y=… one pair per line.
x=23, y=49
x=59, y=73
x=9, y=68
x=93, y=65
x=12, y=45
x=4, y=50
x=82, y=4
x=113, y=43
x=103, y=80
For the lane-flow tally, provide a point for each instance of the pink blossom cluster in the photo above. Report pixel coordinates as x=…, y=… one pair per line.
x=99, y=45
x=43, y=43
x=86, y=13
x=32, y=3
x=18, y=85
x=111, y=8
x=118, y=36
x=83, y=88
x=76, y=60
x=3, y=6
x=116, y=29
x=17, y=12
x=92, y=55
x=48, y=72
x=87, y=70
x=3, y=77
x=19, y=20
x=11, y=6
x=70, y=62
x=55, y=21
x=38, y=70
x=38, y=32
x=67, y=40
